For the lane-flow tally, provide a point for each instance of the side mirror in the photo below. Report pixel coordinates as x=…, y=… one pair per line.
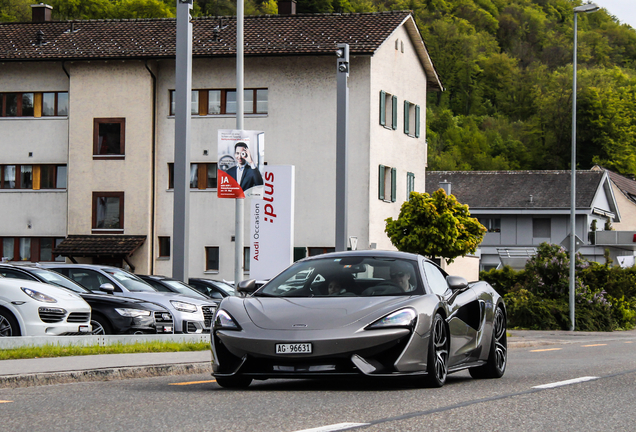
x=247, y=286
x=107, y=287
x=456, y=283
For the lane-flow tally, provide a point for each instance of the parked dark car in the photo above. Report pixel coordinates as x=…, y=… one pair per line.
x=213, y=288
x=110, y=314
x=166, y=284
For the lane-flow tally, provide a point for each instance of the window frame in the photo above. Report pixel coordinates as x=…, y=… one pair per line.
x=35, y=248
x=203, y=102
x=410, y=185
x=384, y=104
x=202, y=175
x=536, y=229
x=119, y=230
x=216, y=250
x=382, y=183
x=122, y=137
x=492, y=225
x=37, y=100
x=163, y=249
x=412, y=110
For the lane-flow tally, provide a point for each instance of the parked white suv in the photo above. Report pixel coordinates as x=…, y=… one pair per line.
x=29, y=308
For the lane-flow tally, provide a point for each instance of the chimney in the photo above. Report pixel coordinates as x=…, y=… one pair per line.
x=286, y=7
x=41, y=12
x=446, y=186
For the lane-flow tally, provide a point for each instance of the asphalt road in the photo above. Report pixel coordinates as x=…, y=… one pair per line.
x=601, y=399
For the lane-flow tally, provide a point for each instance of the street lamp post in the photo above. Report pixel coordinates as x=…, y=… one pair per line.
x=587, y=8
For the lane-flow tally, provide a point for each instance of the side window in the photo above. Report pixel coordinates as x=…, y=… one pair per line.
x=12, y=274
x=156, y=285
x=90, y=279
x=388, y=110
x=436, y=278
x=387, y=185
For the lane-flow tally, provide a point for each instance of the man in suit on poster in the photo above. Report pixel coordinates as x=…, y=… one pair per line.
x=245, y=172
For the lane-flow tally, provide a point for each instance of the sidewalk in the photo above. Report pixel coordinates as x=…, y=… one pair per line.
x=59, y=370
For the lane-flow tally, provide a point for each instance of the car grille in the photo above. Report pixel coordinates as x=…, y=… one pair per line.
x=208, y=314
x=163, y=317
x=51, y=315
x=78, y=317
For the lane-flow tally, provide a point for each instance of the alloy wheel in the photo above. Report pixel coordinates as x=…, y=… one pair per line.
x=501, y=342
x=440, y=344
x=5, y=327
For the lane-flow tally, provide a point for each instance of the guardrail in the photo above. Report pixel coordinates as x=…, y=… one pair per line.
x=101, y=340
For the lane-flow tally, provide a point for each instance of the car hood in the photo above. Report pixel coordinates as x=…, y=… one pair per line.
x=121, y=301
x=316, y=313
x=164, y=298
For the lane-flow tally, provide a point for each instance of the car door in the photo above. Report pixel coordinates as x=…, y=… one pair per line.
x=463, y=314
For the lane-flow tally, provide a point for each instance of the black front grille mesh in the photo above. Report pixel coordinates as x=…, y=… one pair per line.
x=79, y=317
x=208, y=314
x=51, y=315
x=163, y=317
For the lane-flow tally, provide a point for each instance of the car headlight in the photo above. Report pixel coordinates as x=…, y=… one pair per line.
x=224, y=320
x=36, y=295
x=183, y=306
x=401, y=318
x=132, y=313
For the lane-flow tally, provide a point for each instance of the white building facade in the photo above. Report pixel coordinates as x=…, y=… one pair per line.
x=112, y=151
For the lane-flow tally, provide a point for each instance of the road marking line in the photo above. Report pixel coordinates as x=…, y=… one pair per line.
x=585, y=346
x=566, y=382
x=193, y=382
x=547, y=349
x=335, y=427
x=629, y=342
x=1, y=401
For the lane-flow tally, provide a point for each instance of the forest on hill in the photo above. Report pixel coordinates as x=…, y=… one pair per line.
x=506, y=66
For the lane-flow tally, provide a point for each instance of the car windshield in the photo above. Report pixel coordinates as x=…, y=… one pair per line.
x=181, y=288
x=130, y=281
x=227, y=288
x=55, y=278
x=351, y=276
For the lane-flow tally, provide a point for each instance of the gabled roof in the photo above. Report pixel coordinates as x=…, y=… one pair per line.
x=266, y=35
x=518, y=189
x=626, y=185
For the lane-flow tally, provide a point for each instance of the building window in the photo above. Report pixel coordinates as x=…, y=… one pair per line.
x=211, y=258
x=541, y=228
x=32, y=249
x=410, y=184
x=33, y=177
x=164, y=247
x=223, y=101
x=108, y=137
x=33, y=104
x=388, y=110
x=246, y=259
x=202, y=175
x=387, y=183
x=313, y=251
x=108, y=211
x=411, y=119
x=493, y=225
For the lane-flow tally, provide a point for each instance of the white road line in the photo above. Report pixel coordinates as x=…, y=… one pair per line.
x=566, y=382
x=334, y=427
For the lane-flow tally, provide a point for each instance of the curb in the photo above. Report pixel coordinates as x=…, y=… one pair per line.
x=103, y=374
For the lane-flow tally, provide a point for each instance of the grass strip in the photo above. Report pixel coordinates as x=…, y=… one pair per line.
x=51, y=350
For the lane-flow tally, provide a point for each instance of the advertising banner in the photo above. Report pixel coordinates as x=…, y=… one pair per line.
x=241, y=162
x=272, y=223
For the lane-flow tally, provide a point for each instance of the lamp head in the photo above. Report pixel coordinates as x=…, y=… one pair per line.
x=587, y=8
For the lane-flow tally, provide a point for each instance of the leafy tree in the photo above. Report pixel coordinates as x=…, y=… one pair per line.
x=435, y=226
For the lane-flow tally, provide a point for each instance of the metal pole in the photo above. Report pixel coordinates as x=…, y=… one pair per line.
x=183, y=99
x=573, y=189
x=342, y=138
x=239, y=202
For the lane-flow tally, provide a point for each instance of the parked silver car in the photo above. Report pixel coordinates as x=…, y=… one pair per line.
x=191, y=315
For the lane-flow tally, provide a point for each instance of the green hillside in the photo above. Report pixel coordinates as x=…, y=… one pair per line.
x=506, y=66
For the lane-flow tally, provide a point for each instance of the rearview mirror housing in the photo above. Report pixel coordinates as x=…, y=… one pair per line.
x=456, y=282
x=247, y=286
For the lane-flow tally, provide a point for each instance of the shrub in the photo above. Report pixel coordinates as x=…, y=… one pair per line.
x=502, y=280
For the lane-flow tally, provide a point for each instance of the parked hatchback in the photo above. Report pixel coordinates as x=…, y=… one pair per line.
x=110, y=314
x=190, y=315
x=29, y=308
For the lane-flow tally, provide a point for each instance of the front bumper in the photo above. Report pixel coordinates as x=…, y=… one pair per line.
x=368, y=352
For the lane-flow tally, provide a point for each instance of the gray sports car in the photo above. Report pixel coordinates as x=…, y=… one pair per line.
x=360, y=313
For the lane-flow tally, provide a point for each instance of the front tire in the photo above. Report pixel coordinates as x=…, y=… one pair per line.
x=8, y=325
x=495, y=367
x=100, y=326
x=234, y=382
x=437, y=363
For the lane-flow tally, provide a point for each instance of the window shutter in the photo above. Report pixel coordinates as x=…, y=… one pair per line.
x=395, y=112
x=381, y=183
x=393, y=184
x=36, y=177
x=382, y=107
x=37, y=105
x=406, y=117
x=417, y=121
x=202, y=176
